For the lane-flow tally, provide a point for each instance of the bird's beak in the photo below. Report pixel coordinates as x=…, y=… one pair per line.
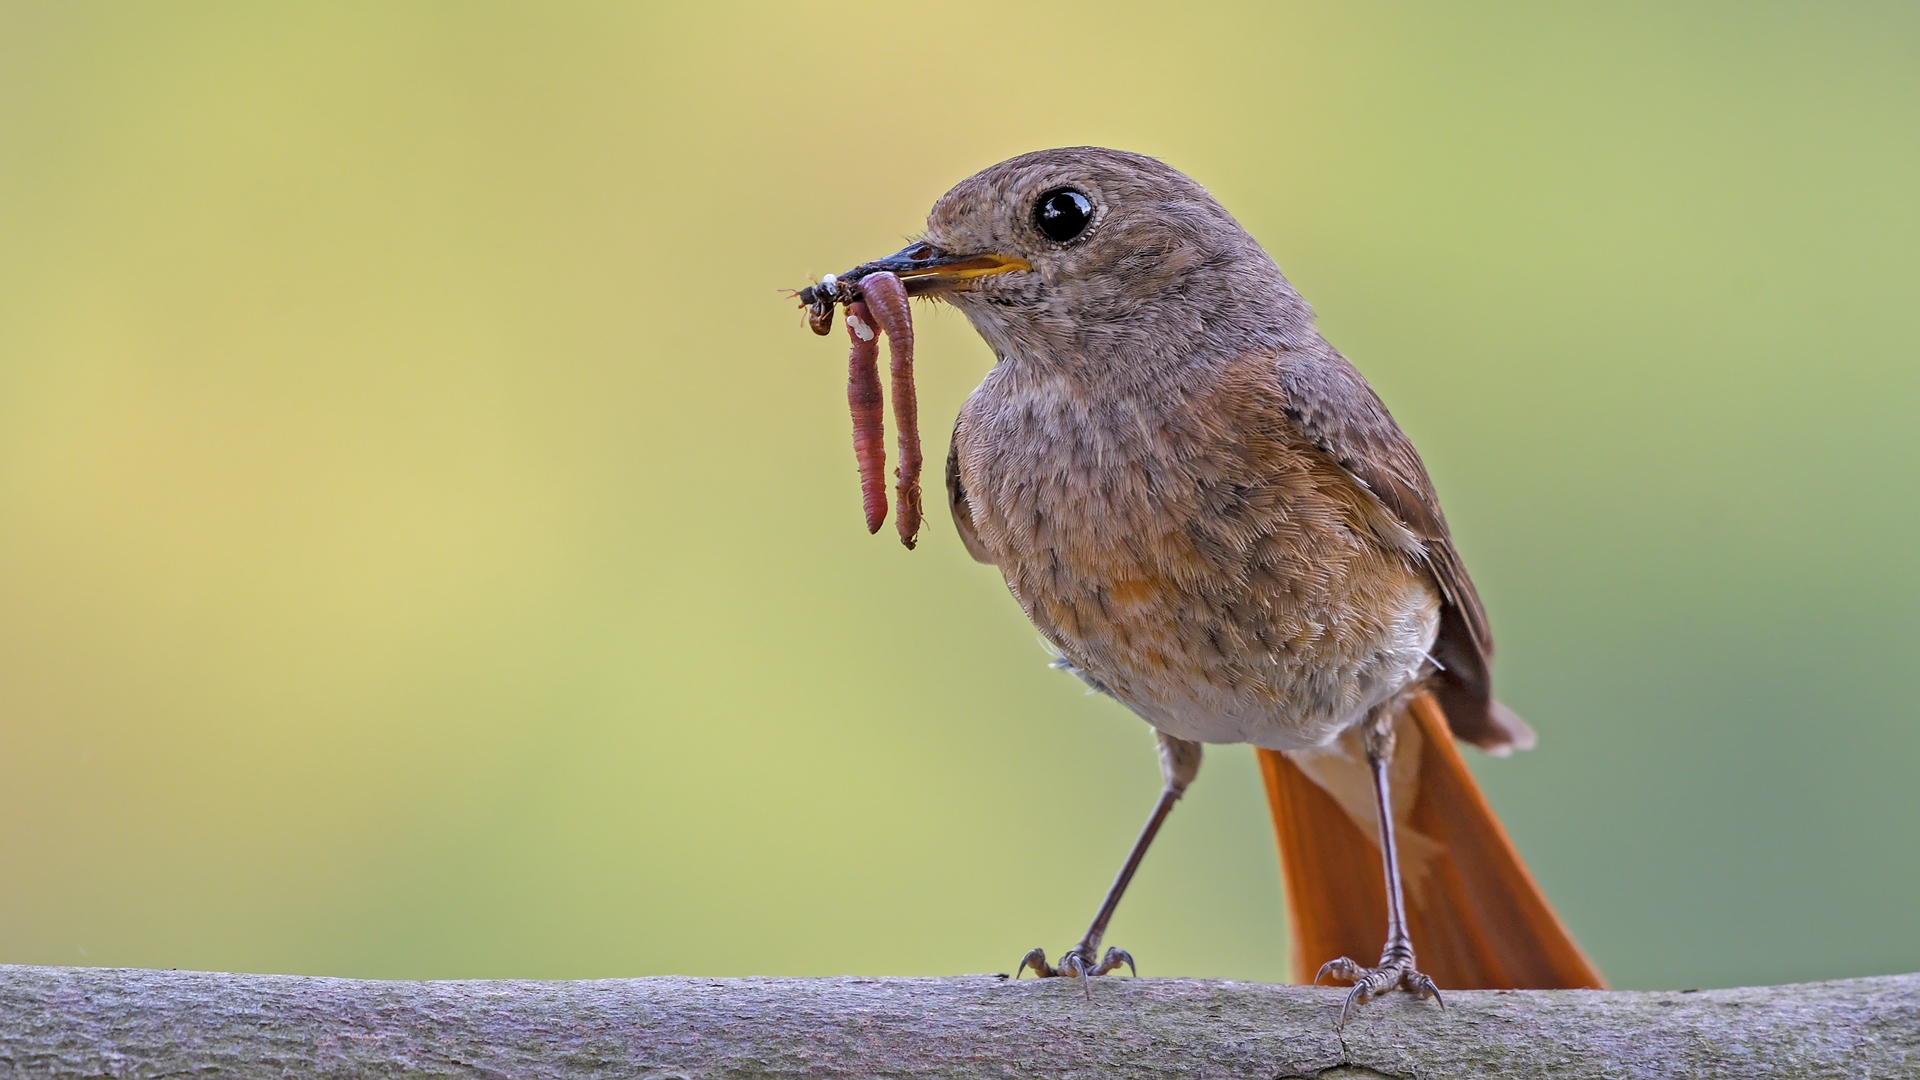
x=925, y=269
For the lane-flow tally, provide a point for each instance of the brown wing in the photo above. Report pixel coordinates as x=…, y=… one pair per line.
x=957, y=500
x=1329, y=402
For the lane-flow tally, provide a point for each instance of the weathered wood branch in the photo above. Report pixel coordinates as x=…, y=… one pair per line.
x=74, y=1022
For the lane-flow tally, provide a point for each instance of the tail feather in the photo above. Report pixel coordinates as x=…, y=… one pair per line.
x=1478, y=919
x=1336, y=891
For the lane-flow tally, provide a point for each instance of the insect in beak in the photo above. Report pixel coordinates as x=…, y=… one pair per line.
x=875, y=295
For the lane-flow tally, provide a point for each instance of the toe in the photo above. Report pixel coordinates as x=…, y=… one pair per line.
x=1113, y=960
x=1341, y=970
x=1423, y=987
x=1037, y=960
x=1356, y=996
x=1075, y=965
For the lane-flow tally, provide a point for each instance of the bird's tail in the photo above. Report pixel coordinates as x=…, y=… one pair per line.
x=1476, y=917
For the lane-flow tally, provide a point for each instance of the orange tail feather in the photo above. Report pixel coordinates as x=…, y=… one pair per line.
x=1477, y=918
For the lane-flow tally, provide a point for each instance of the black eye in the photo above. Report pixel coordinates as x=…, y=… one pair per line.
x=1062, y=213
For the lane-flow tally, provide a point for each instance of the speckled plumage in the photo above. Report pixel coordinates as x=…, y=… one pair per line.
x=1195, y=498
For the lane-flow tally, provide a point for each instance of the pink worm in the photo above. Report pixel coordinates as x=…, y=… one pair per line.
x=869, y=424
x=887, y=299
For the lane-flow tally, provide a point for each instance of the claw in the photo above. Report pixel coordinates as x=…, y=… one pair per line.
x=1037, y=960
x=1073, y=964
x=1369, y=983
x=1341, y=970
x=1356, y=996
x=1423, y=988
x=1076, y=963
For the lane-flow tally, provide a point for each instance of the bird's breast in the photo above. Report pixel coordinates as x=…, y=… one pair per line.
x=1189, y=553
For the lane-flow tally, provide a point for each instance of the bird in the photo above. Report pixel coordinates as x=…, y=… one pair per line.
x=1211, y=517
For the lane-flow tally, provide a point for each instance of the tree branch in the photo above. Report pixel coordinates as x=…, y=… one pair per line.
x=62, y=1022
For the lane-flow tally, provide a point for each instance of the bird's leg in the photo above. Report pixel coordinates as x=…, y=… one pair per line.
x=1079, y=961
x=1179, y=764
x=1396, y=959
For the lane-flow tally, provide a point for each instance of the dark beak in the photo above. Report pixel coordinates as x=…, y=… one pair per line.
x=922, y=268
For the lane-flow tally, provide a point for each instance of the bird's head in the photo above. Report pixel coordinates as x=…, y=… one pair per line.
x=1095, y=254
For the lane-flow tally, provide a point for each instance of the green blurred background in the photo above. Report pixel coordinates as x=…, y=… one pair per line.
x=430, y=547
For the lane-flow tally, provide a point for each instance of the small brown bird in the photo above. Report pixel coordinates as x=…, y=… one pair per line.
x=1212, y=518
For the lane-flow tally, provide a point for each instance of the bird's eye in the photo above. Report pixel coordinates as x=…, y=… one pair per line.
x=1062, y=214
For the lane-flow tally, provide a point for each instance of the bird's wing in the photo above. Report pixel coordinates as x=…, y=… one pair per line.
x=1331, y=405
x=957, y=499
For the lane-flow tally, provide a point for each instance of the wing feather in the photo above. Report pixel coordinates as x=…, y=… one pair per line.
x=957, y=500
x=1330, y=404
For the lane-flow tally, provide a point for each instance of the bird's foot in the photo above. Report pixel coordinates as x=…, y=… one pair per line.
x=1078, y=963
x=1396, y=971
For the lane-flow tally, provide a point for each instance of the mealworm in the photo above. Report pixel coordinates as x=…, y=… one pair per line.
x=869, y=424
x=887, y=299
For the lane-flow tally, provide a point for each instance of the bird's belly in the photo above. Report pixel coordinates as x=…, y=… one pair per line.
x=1281, y=636
x=1286, y=667
x=1227, y=589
